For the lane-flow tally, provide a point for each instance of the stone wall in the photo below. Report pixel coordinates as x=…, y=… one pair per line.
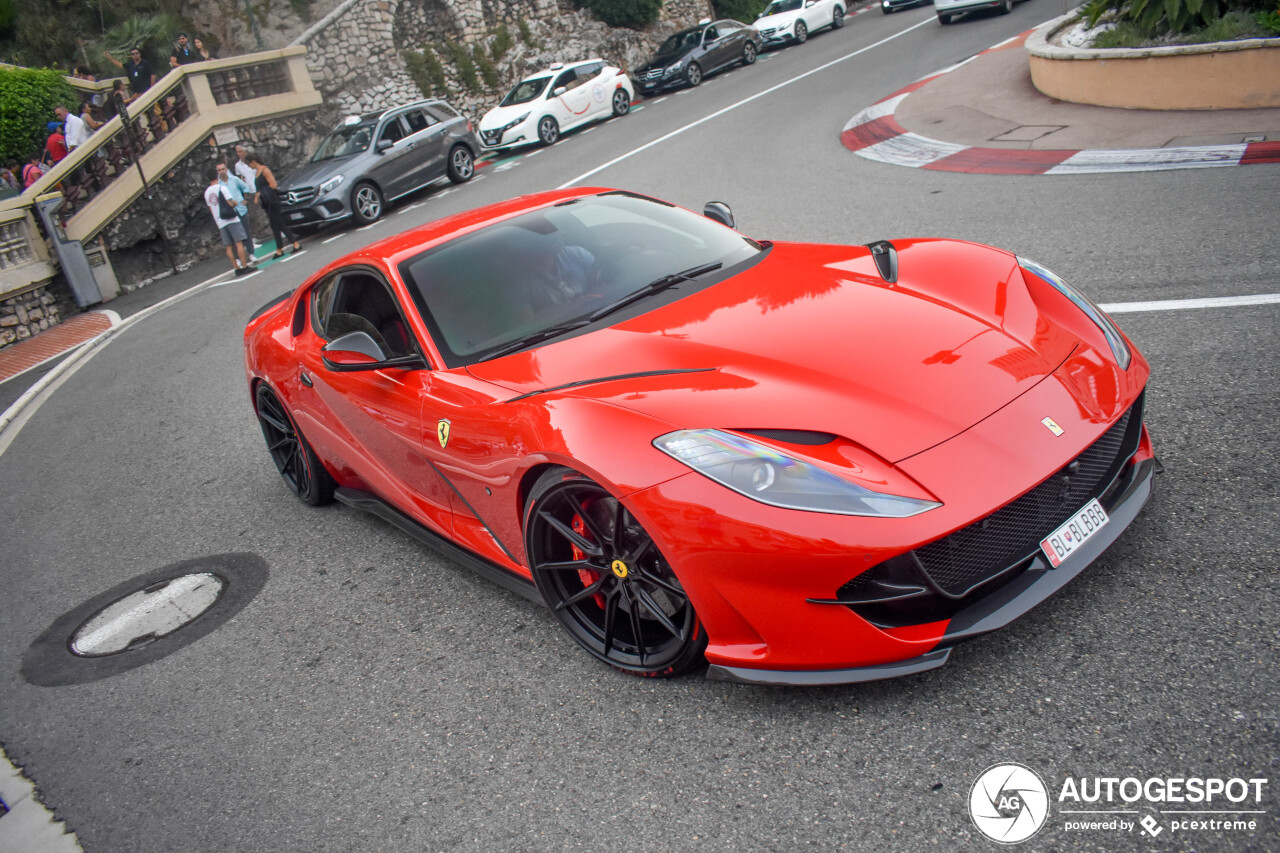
x=29, y=313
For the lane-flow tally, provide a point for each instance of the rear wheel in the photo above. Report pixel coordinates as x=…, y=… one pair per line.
x=621, y=102
x=605, y=580
x=462, y=164
x=548, y=131
x=837, y=18
x=802, y=32
x=944, y=18
x=302, y=470
x=1006, y=7
x=693, y=74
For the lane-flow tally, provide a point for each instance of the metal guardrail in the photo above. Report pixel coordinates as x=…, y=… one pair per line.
x=102, y=177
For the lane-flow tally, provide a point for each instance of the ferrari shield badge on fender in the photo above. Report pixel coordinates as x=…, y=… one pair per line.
x=1048, y=422
x=442, y=432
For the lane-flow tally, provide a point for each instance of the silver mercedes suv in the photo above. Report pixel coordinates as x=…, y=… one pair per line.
x=373, y=159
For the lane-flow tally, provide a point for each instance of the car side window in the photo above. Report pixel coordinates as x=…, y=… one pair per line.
x=321, y=303
x=418, y=121
x=393, y=131
x=712, y=35
x=362, y=302
x=568, y=79
x=587, y=72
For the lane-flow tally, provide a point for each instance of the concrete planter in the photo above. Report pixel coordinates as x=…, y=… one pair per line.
x=1219, y=76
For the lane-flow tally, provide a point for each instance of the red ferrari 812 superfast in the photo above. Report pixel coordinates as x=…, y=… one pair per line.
x=797, y=463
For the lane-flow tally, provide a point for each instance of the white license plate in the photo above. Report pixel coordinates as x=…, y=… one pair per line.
x=295, y=215
x=1077, y=530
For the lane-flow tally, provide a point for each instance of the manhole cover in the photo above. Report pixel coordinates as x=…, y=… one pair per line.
x=147, y=615
x=143, y=619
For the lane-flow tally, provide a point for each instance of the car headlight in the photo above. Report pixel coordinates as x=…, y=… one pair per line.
x=786, y=25
x=672, y=69
x=768, y=476
x=1115, y=340
x=330, y=184
x=512, y=124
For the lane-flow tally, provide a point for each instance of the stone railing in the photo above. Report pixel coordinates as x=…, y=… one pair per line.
x=109, y=172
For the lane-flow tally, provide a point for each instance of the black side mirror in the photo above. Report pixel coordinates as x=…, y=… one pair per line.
x=720, y=212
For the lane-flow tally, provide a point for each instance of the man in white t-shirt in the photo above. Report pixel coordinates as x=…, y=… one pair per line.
x=75, y=131
x=221, y=206
x=246, y=173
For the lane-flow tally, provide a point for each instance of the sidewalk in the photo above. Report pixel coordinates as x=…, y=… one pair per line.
x=985, y=116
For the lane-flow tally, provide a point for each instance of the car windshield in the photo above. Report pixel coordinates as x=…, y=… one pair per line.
x=560, y=267
x=778, y=6
x=525, y=91
x=345, y=141
x=680, y=41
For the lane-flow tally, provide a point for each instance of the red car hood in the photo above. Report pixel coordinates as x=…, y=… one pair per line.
x=812, y=338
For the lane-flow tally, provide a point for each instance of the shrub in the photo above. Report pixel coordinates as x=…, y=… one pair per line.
x=464, y=63
x=27, y=99
x=635, y=14
x=502, y=42
x=425, y=69
x=1152, y=19
x=526, y=35
x=487, y=72
x=739, y=10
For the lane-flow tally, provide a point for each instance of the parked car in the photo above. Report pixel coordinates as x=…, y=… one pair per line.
x=544, y=105
x=948, y=10
x=888, y=6
x=801, y=463
x=371, y=160
x=785, y=21
x=690, y=55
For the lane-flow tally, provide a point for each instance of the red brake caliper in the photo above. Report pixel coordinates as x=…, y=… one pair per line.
x=588, y=577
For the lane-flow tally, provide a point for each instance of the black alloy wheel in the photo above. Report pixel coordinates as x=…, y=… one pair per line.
x=605, y=580
x=802, y=32
x=548, y=131
x=366, y=203
x=693, y=74
x=944, y=18
x=462, y=165
x=837, y=18
x=302, y=470
x=749, y=53
x=621, y=102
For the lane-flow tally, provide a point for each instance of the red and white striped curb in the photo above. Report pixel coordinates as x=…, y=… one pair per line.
x=22, y=356
x=875, y=134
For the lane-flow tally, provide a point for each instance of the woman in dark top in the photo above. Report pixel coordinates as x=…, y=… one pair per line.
x=269, y=201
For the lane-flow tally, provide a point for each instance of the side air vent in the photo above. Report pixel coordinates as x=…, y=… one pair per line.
x=886, y=258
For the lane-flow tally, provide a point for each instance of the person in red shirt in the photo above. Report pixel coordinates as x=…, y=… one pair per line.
x=56, y=146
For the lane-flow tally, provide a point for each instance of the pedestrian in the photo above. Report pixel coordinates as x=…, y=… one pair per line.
x=9, y=175
x=87, y=116
x=33, y=171
x=137, y=69
x=237, y=190
x=269, y=200
x=217, y=197
x=55, y=147
x=75, y=131
x=203, y=49
x=245, y=173
x=183, y=53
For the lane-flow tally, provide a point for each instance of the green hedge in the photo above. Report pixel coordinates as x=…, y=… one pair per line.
x=635, y=14
x=27, y=99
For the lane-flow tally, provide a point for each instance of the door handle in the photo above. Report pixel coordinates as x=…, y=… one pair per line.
x=411, y=146
x=305, y=378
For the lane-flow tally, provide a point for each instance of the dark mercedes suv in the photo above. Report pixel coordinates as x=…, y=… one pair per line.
x=372, y=159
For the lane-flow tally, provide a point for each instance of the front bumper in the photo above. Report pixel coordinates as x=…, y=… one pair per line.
x=316, y=212
x=989, y=613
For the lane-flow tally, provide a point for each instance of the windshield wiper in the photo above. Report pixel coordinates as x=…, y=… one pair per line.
x=667, y=281
x=537, y=337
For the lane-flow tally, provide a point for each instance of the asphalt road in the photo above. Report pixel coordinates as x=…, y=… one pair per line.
x=376, y=697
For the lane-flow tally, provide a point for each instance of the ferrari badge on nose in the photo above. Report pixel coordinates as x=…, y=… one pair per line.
x=1050, y=423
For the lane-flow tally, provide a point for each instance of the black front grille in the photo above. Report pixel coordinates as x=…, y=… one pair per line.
x=1001, y=544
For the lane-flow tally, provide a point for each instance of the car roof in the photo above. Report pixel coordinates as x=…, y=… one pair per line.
x=565, y=67
x=369, y=118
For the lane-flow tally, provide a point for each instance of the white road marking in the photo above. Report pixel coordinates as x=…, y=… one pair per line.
x=293, y=255
x=1188, y=304
x=334, y=237
x=411, y=207
x=743, y=102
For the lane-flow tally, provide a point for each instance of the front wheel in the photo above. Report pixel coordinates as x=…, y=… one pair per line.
x=802, y=32
x=462, y=165
x=366, y=203
x=621, y=102
x=693, y=74
x=1006, y=7
x=548, y=131
x=749, y=53
x=944, y=18
x=837, y=18
x=605, y=580
x=301, y=469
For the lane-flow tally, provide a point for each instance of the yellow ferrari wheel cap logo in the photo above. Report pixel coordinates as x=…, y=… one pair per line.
x=1052, y=426
x=619, y=568
x=442, y=432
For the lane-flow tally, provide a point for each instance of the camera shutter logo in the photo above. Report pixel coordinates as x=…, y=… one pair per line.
x=1009, y=803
